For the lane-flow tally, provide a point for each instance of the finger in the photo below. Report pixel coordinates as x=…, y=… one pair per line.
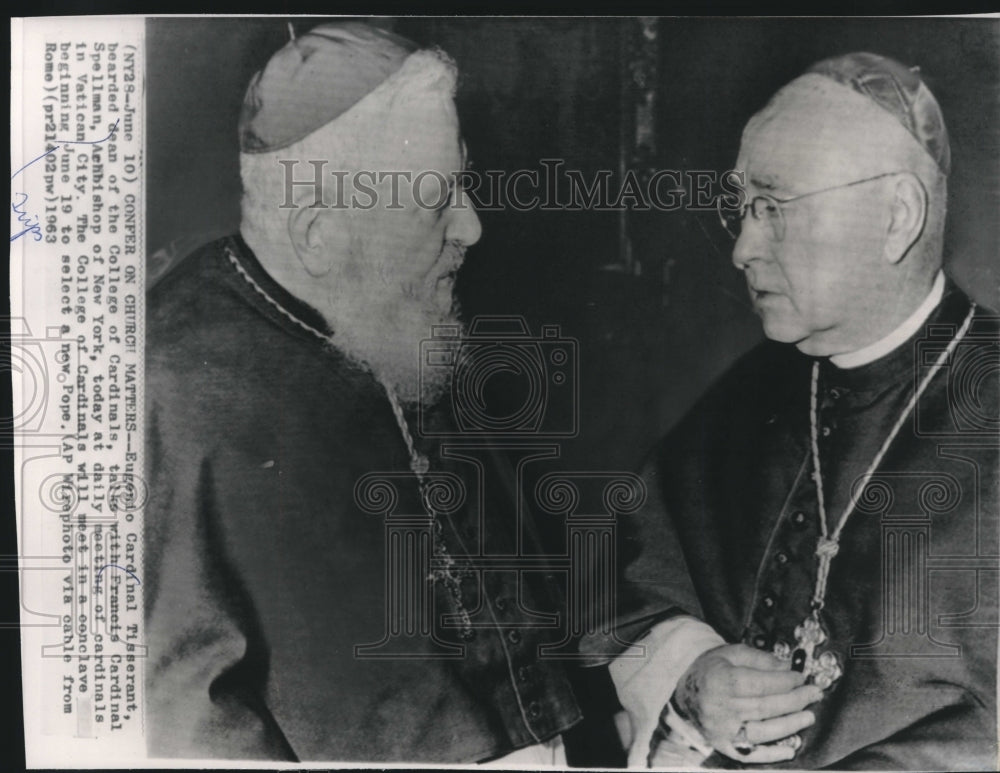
x=768, y=706
x=764, y=731
x=752, y=682
x=760, y=754
x=768, y=754
x=750, y=657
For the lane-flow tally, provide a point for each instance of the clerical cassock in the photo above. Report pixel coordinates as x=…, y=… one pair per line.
x=908, y=612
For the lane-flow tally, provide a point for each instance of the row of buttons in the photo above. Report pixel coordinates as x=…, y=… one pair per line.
x=501, y=604
x=513, y=636
x=827, y=429
x=800, y=521
x=524, y=673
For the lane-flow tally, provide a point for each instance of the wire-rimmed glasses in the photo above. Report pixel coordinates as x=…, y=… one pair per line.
x=768, y=209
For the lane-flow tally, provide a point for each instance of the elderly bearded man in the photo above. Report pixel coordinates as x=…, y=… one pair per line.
x=282, y=368
x=816, y=571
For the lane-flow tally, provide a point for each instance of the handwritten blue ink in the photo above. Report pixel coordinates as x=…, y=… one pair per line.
x=22, y=216
x=68, y=142
x=115, y=566
x=25, y=219
x=34, y=160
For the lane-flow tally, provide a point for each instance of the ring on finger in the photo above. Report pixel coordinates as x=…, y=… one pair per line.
x=794, y=742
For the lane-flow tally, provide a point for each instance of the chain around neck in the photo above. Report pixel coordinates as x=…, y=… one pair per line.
x=449, y=573
x=418, y=462
x=829, y=543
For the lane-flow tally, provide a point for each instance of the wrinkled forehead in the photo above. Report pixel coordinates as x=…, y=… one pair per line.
x=421, y=129
x=410, y=121
x=816, y=133
x=422, y=100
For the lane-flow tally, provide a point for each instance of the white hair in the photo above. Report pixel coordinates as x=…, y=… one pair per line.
x=867, y=124
x=347, y=143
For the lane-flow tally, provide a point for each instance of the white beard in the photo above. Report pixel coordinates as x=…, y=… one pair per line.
x=383, y=330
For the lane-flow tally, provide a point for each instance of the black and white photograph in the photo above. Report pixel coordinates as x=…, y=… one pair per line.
x=513, y=392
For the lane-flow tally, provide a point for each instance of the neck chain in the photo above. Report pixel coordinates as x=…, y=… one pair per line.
x=448, y=572
x=824, y=669
x=418, y=462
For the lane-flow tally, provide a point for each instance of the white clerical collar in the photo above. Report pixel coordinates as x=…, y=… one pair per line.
x=902, y=333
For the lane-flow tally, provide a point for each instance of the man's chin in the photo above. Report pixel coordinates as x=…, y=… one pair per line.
x=778, y=327
x=394, y=353
x=812, y=343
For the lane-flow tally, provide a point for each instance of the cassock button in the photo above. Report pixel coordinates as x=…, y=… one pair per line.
x=500, y=603
x=534, y=710
x=759, y=642
x=799, y=519
x=768, y=601
x=514, y=637
x=826, y=431
x=524, y=673
x=781, y=558
x=468, y=635
x=835, y=393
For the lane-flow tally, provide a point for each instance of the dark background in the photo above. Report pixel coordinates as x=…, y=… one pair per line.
x=652, y=298
x=560, y=88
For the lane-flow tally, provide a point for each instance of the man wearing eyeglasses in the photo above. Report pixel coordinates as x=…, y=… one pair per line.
x=814, y=581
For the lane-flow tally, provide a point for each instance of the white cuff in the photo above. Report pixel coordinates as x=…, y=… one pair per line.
x=549, y=754
x=645, y=682
x=685, y=734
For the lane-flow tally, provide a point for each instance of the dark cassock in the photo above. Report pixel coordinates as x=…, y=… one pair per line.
x=904, y=628
x=290, y=612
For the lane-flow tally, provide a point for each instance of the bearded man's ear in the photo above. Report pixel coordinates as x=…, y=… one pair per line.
x=306, y=233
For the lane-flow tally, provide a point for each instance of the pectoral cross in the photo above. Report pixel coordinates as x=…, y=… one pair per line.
x=822, y=669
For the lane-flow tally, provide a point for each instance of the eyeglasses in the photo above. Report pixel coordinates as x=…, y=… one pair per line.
x=767, y=209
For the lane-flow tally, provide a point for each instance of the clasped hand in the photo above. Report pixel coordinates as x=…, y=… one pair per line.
x=735, y=686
